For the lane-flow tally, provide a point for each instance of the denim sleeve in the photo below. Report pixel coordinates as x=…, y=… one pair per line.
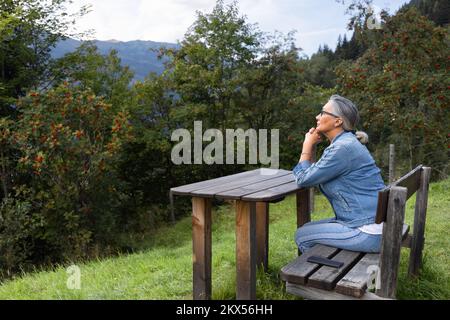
x=333, y=162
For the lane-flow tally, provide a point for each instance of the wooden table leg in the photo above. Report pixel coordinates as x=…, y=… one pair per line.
x=201, y=247
x=245, y=250
x=262, y=235
x=303, y=208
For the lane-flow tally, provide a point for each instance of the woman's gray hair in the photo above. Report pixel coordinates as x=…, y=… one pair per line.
x=349, y=114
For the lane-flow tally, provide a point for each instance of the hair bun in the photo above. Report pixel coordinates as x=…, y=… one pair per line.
x=362, y=137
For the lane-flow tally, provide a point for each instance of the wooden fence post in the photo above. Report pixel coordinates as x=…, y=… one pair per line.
x=391, y=163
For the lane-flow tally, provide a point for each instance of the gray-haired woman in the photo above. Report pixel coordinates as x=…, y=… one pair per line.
x=347, y=175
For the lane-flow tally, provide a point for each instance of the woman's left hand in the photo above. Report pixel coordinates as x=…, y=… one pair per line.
x=312, y=137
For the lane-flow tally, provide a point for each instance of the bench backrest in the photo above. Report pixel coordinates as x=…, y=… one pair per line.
x=411, y=181
x=391, y=210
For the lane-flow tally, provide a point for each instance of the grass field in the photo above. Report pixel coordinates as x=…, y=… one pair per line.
x=162, y=268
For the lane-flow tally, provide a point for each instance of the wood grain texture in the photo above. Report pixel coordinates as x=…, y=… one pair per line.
x=410, y=181
x=354, y=283
x=299, y=269
x=318, y=294
x=326, y=277
x=303, y=207
x=383, y=198
x=303, y=200
x=245, y=250
x=262, y=235
x=201, y=246
x=216, y=189
x=391, y=242
x=237, y=193
x=273, y=193
x=418, y=237
x=188, y=188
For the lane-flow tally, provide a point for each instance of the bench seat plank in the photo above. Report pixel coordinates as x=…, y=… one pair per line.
x=318, y=294
x=298, y=270
x=354, y=283
x=327, y=277
x=353, y=277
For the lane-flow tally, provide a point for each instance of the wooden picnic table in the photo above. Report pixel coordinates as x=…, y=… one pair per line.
x=253, y=191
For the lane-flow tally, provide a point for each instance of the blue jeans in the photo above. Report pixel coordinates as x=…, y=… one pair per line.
x=331, y=233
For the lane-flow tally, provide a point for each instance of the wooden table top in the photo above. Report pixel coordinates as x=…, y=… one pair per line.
x=256, y=185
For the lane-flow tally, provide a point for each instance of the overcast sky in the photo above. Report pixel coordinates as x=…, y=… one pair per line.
x=316, y=21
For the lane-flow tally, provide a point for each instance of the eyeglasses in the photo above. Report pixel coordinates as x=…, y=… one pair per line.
x=329, y=113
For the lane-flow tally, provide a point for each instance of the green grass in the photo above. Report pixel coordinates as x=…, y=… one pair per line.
x=163, y=269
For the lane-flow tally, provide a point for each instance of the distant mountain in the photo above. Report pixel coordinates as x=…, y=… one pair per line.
x=135, y=54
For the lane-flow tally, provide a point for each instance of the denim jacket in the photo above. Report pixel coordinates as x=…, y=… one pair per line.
x=347, y=175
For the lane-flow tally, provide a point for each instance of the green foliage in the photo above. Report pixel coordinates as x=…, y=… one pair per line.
x=19, y=225
x=435, y=10
x=401, y=87
x=86, y=166
x=318, y=70
x=230, y=75
x=69, y=140
x=103, y=74
x=5, y=134
x=227, y=74
x=299, y=118
x=268, y=85
x=28, y=31
x=145, y=164
x=162, y=269
x=207, y=69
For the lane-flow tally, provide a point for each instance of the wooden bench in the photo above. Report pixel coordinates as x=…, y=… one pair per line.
x=354, y=277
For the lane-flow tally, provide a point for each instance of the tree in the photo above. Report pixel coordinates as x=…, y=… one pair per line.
x=230, y=75
x=5, y=133
x=150, y=152
x=269, y=83
x=401, y=86
x=30, y=28
x=206, y=70
x=318, y=70
x=69, y=141
x=435, y=10
x=90, y=70
x=359, y=12
x=355, y=47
